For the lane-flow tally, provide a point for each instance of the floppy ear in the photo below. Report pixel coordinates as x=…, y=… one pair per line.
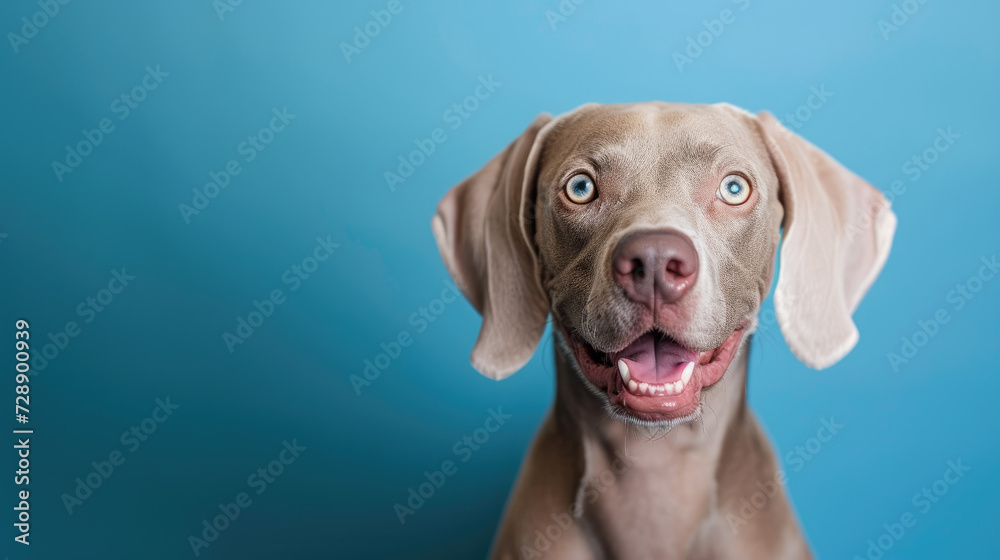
x=483, y=235
x=837, y=234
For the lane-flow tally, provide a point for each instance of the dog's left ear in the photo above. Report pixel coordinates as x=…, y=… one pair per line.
x=837, y=234
x=484, y=236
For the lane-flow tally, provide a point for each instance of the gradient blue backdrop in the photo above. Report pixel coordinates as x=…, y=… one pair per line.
x=323, y=176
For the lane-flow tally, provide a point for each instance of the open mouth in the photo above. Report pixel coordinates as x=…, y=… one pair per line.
x=654, y=378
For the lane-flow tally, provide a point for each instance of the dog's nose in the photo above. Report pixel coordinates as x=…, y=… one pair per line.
x=663, y=264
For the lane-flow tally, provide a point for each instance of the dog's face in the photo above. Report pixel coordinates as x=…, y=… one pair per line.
x=657, y=269
x=648, y=232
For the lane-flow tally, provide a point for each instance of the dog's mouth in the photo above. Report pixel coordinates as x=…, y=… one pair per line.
x=654, y=378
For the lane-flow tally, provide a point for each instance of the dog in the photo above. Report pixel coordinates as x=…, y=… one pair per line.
x=649, y=232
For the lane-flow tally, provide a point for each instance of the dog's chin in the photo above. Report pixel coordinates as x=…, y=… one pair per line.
x=653, y=380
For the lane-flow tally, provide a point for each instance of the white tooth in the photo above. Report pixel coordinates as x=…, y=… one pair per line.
x=644, y=387
x=623, y=369
x=668, y=388
x=678, y=387
x=686, y=374
x=632, y=386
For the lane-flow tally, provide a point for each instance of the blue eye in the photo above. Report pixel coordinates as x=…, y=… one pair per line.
x=580, y=189
x=734, y=190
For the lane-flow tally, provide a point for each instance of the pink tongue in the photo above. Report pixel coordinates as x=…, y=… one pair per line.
x=655, y=358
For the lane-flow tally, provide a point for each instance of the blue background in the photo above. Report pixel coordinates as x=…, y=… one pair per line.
x=323, y=176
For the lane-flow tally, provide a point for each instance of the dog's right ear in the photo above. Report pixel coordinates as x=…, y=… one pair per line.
x=482, y=232
x=838, y=231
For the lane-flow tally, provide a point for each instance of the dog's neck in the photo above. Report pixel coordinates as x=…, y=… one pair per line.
x=635, y=476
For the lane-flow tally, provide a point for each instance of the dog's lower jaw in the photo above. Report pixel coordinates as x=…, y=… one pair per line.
x=640, y=492
x=721, y=406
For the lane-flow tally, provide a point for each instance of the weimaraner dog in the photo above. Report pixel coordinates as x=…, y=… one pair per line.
x=649, y=232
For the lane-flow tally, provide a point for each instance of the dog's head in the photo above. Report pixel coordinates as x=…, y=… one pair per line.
x=648, y=231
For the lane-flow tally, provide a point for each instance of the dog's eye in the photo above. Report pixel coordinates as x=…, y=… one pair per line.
x=580, y=189
x=734, y=190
